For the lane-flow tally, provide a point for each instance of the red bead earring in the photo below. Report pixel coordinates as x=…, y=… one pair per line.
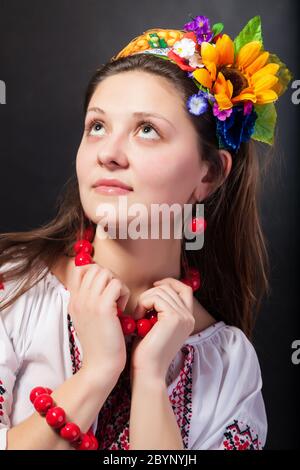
x=198, y=225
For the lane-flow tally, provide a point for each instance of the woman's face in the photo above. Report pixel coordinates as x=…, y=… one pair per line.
x=156, y=155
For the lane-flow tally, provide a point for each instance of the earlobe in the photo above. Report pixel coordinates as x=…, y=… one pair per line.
x=206, y=185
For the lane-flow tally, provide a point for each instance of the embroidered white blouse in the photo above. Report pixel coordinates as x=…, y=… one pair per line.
x=214, y=381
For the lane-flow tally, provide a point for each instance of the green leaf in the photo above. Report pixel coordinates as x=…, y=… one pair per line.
x=284, y=75
x=217, y=28
x=251, y=32
x=201, y=87
x=265, y=123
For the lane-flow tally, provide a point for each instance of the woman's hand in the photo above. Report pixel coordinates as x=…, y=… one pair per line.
x=95, y=295
x=173, y=301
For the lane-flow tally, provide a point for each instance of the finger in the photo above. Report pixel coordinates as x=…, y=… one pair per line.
x=153, y=301
x=124, y=297
x=168, y=296
x=183, y=310
x=172, y=293
x=118, y=291
x=99, y=281
x=164, y=288
x=77, y=274
x=184, y=291
x=102, y=280
x=90, y=276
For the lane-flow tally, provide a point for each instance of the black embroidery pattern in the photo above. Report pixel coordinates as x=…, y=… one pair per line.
x=236, y=438
x=74, y=351
x=181, y=396
x=2, y=392
x=113, y=420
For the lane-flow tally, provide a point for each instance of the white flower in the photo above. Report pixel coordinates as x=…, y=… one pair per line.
x=196, y=61
x=184, y=48
x=197, y=104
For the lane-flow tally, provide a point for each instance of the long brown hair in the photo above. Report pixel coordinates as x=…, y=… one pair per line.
x=233, y=262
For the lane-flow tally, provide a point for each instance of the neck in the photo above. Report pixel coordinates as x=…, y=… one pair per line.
x=138, y=263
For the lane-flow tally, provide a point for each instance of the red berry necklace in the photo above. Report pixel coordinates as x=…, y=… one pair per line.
x=84, y=251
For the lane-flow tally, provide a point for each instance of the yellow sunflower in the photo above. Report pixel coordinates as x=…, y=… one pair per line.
x=248, y=77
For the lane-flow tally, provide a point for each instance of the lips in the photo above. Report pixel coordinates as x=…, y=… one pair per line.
x=112, y=182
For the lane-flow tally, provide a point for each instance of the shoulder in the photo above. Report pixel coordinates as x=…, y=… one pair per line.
x=222, y=341
x=218, y=353
x=225, y=352
x=20, y=320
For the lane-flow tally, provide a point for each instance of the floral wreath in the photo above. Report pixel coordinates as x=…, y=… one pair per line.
x=238, y=79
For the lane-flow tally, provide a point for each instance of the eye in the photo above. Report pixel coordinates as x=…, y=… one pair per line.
x=94, y=128
x=148, y=125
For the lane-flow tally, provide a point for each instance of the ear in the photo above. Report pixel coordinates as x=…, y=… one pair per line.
x=209, y=183
x=226, y=162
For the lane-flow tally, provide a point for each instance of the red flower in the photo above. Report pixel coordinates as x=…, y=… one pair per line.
x=180, y=61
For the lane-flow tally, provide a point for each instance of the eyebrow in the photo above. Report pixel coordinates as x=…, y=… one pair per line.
x=139, y=114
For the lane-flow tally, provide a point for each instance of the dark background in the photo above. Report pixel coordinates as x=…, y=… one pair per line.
x=49, y=50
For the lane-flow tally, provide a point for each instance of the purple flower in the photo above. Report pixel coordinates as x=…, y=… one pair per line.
x=221, y=114
x=190, y=26
x=204, y=37
x=248, y=105
x=200, y=25
x=197, y=104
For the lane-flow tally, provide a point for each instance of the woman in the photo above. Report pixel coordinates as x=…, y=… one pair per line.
x=193, y=381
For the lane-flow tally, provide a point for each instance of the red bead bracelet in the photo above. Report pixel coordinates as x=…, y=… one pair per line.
x=83, y=249
x=55, y=416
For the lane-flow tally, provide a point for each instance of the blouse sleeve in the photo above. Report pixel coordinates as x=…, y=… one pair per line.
x=8, y=369
x=14, y=336
x=228, y=406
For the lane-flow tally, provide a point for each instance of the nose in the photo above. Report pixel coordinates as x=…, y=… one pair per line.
x=112, y=154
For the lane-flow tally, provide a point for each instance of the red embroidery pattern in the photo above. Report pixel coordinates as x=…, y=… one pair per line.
x=1, y=283
x=75, y=353
x=113, y=420
x=237, y=439
x=2, y=392
x=113, y=423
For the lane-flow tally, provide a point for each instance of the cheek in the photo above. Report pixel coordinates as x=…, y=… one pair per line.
x=83, y=166
x=169, y=177
x=84, y=172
